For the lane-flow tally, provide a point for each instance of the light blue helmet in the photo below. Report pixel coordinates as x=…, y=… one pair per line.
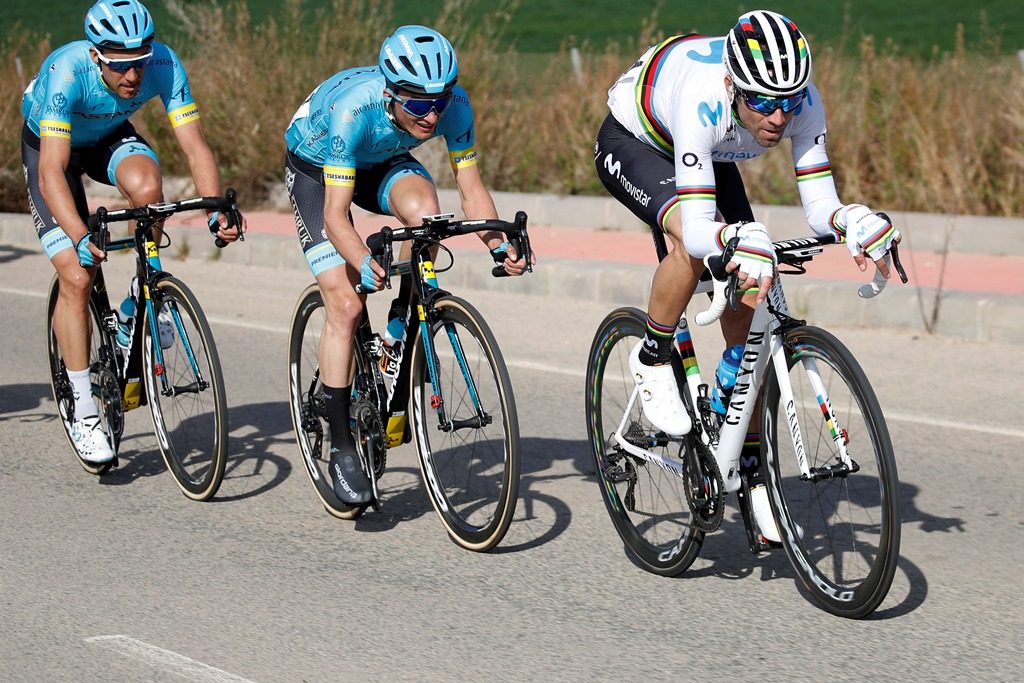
x=420, y=60
x=119, y=24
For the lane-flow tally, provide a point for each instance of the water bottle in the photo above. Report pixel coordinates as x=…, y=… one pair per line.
x=394, y=335
x=395, y=331
x=725, y=378
x=125, y=313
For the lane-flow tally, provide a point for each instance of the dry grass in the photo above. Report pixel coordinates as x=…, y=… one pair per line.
x=946, y=135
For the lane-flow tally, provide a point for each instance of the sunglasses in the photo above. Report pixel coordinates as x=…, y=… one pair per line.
x=763, y=104
x=122, y=66
x=420, y=108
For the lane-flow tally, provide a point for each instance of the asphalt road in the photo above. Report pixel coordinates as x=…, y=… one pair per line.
x=121, y=578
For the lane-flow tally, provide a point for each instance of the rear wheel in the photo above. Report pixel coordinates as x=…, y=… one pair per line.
x=306, y=400
x=186, y=391
x=103, y=376
x=465, y=426
x=841, y=526
x=647, y=504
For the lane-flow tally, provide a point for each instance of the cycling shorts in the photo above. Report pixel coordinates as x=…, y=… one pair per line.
x=305, y=184
x=98, y=161
x=643, y=179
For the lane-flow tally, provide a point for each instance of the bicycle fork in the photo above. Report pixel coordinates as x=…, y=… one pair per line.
x=838, y=434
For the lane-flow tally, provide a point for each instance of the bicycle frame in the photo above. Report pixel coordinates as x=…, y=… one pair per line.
x=764, y=339
x=150, y=271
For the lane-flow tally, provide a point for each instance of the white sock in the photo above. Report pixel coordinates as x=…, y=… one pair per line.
x=85, y=405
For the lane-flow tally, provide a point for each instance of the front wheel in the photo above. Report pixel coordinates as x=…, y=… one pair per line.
x=103, y=376
x=465, y=426
x=306, y=400
x=647, y=504
x=841, y=525
x=185, y=389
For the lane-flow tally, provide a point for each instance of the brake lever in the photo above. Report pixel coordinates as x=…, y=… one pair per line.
x=732, y=279
x=101, y=235
x=894, y=250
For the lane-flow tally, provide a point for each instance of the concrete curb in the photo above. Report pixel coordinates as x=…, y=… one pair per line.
x=961, y=315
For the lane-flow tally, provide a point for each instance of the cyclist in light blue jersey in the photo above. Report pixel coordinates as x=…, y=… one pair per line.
x=349, y=143
x=77, y=113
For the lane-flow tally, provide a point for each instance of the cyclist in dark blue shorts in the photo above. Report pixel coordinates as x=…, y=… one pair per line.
x=76, y=122
x=349, y=143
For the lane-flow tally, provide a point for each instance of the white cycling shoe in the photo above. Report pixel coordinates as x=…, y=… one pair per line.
x=763, y=516
x=90, y=440
x=659, y=395
x=165, y=324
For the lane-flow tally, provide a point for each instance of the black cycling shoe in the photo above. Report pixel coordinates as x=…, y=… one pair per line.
x=350, y=483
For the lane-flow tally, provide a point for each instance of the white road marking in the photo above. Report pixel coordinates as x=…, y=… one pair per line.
x=165, y=660
x=571, y=372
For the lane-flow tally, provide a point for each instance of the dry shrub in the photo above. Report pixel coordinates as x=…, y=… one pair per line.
x=938, y=135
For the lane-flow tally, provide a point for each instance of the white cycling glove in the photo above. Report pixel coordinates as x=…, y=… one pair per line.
x=869, y=233
x=755, y=254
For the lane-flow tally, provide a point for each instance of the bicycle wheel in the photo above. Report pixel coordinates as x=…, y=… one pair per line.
x=646, y=503
x=465, y=427
x=841, y=532
x=105, y=387
x=186, y=392
x=306, y=401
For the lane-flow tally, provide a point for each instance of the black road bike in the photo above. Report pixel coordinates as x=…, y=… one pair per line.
x=171, y=363
x=450, y=374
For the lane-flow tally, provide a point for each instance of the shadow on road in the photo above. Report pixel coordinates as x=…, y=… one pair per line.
x=253, y=430
x=726, y=555
x=10, y=253
x=17, y=398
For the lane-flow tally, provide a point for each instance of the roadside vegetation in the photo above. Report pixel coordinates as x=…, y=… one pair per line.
x=942, y=133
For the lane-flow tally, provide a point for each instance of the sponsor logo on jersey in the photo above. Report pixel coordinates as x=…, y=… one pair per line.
x=54, y=129
x=463, y=158
x=339, y=176
x=183, y=115
x=337, y=146
x=58, y=106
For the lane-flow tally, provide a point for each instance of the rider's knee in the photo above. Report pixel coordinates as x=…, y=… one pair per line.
x=143, y=188
x=341, y=303
x=75, y=284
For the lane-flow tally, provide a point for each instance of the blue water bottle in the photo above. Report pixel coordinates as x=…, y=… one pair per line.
x=725, y=378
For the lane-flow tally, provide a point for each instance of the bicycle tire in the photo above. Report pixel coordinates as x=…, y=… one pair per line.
x=471, y=473
x=842, y=534
x=61, y=386
x=190, y=421
x=646, y=504
x=311, y=431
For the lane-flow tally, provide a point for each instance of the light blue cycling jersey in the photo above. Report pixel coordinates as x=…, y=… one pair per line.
x=68, y=99
x=344, y=125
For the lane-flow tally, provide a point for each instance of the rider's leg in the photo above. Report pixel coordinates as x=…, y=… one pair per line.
x=138, y=179
x=671, y=290
x=408, y=196
x=72, y=326
x=343, y=308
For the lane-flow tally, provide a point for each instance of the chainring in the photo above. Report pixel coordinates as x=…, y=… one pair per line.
x=369, y=434
x=705, y=492
x=111, y=408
